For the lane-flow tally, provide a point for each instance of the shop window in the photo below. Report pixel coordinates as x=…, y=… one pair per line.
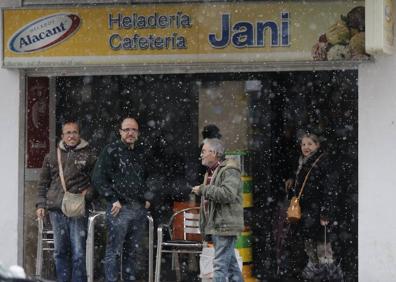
x=260, y=115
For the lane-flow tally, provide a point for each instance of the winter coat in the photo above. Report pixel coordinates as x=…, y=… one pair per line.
x=319, y=195
x=119, y=174
x=224, y=195
x=77, y=166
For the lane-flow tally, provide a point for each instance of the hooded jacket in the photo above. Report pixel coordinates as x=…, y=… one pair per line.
x=77, y=164
x=224, y=214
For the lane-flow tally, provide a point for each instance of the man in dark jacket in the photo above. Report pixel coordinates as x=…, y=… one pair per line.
x=221, y=213
x=119, y=176
x=69, y=232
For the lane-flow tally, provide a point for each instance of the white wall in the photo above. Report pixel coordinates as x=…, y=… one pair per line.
x=9, y=201
x=377, y=170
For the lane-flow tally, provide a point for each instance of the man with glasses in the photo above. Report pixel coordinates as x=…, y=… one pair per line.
x=69, y=232
x=119, y=176
x=221, y=214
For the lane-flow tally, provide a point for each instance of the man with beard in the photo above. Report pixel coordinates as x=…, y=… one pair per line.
x=119, y=176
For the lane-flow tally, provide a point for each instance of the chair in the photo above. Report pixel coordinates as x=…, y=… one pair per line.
x=45, y=243
x=94, y=216
x=187, y=244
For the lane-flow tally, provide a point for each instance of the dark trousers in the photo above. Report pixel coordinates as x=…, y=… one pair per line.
x=70, y=235
x=125, y=234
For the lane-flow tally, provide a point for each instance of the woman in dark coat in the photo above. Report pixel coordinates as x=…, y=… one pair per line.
x=317, y=205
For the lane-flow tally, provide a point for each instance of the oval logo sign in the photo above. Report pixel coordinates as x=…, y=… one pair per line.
x=44, y=33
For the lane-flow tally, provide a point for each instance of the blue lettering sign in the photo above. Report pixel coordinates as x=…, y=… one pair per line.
x=244, y=34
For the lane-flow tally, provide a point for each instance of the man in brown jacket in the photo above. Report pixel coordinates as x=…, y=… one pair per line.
x=69, y=232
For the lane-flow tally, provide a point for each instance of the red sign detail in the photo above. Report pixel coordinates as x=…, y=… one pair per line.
x=37, y=121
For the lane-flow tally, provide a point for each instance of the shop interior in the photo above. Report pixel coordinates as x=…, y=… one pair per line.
x=259, y=114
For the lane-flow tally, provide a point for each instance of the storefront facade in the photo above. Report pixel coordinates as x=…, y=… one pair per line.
x=243, y=52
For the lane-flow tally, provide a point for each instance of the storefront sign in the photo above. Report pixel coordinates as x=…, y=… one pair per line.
x=44, y=33
x=247, y=34
x=183, y=33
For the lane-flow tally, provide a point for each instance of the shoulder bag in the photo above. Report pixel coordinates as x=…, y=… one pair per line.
x=73, y=205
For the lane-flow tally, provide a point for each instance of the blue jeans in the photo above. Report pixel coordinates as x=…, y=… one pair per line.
x=125, y=233
x=225, y=264
x=70, y=235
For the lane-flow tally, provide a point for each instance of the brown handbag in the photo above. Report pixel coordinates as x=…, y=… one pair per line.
x=294, y=210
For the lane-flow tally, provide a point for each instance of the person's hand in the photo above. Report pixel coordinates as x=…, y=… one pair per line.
x=147, y=205
x=289, y=184
x=116, y=208
x=324, y=222
x=196, y=190
x=40, y=212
